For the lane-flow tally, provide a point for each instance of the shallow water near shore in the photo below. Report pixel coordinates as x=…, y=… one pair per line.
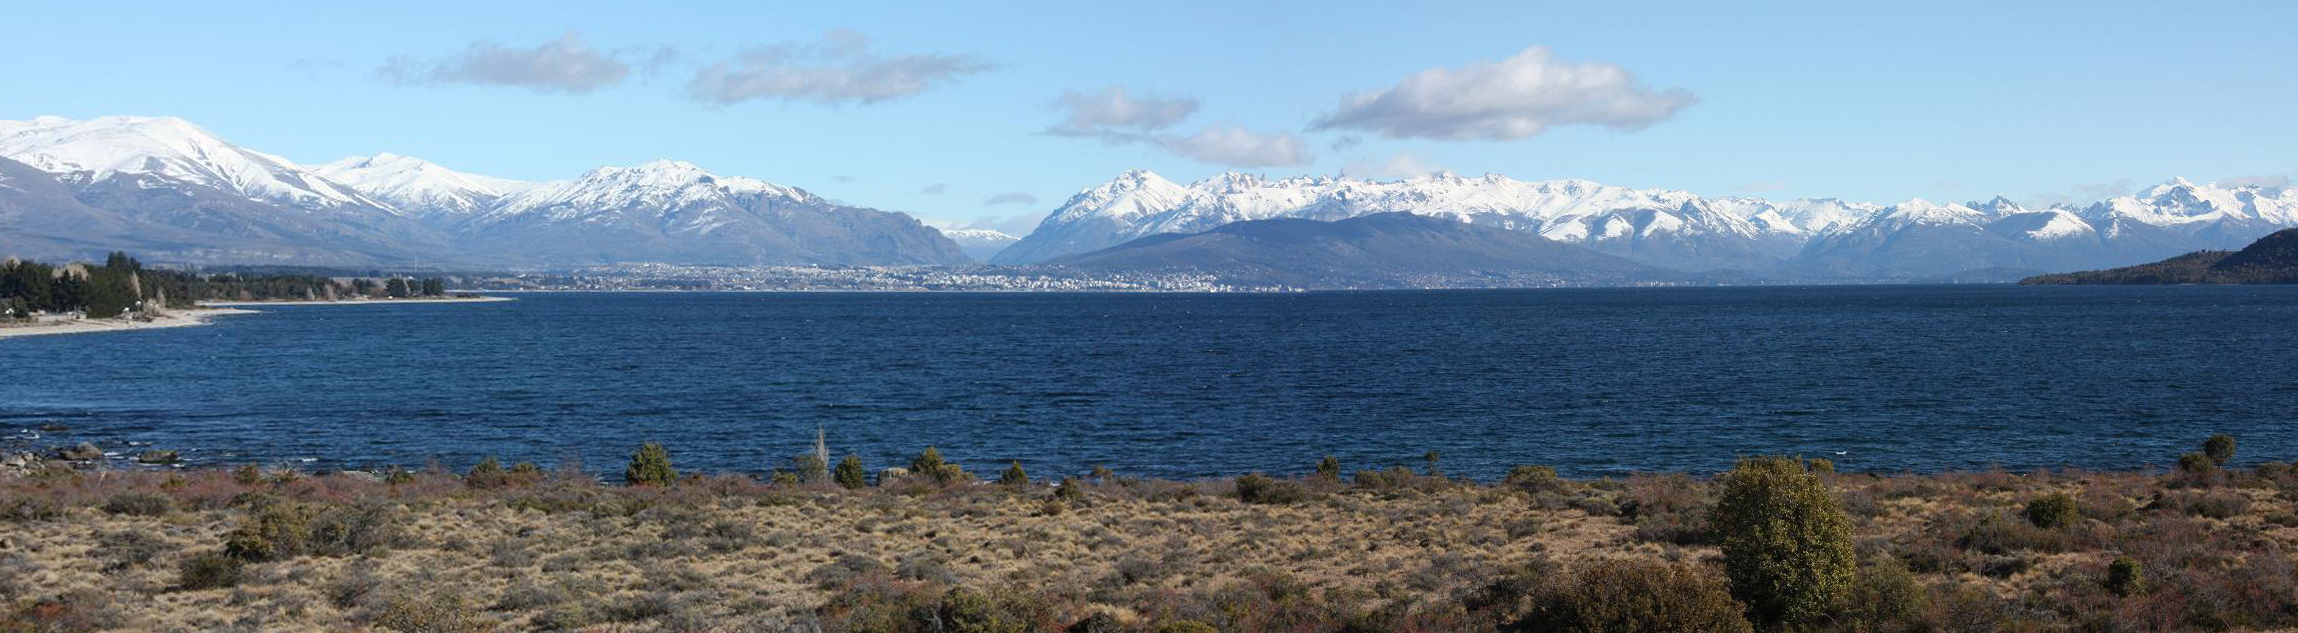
x=1594, y=382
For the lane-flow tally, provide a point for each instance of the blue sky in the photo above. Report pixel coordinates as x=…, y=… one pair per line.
x=877, y=104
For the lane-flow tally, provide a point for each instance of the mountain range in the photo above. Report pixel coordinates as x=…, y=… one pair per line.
x=171, y=191
x=1802, y=238
x=1377, y=251
x=2270, y=260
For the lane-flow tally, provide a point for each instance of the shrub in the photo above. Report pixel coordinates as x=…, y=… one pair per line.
x=1786, y=542
x=1819, y=465
x=1186, y=626
x=142, y=504
x=2053, y=511
x=209, y=570
x=1624, y=596
x=650, y=466
x=2196, y=464
x=488, y=474
x=2219, y=448
x=1885, y=597
x=1013, y=476
x=930, y=464
x=1071, y=490
x=1329, y=468
x=2125, y=577
x=1534, y=479
x=278, y=530
x=247, y=475
x=273, y=529
x=1258, y=488
x=811, y=468
x=435, y=613
x=850, y=474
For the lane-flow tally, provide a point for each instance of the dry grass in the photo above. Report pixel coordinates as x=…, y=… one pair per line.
x=98, y=550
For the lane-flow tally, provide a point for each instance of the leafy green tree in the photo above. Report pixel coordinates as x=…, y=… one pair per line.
x=850, y=473
x=650, y=466
x=1786, y=541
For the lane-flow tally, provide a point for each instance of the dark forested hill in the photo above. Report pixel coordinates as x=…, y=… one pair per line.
x=2270, y=260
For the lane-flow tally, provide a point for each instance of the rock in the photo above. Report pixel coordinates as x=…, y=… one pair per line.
x=891, y=475
x=85, y=452
x=158, y=456
x=50, y=427
x=15, y=460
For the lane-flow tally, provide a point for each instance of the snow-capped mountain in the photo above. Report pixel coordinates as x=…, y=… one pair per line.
x=166, y=147
x=1673, y=228
x=420, y=188
x=1798, y=238
x=171, y=191
x=674, y=211
x=980, y=244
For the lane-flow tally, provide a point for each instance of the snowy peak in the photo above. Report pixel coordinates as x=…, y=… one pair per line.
x=417, y=187
x=166, y=147
x=657, y=188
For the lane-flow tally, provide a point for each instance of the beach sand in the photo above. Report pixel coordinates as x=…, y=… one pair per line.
x=174, y=318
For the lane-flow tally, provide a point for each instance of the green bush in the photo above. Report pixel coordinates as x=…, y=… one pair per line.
x=273, y=529
x=1624, y=596
x=1534, y=479
x=278, y=530
x=1786, y=542
x=1329, y=468
x=1071, y=490
x=487, y=474
x=850, y=475
x=209, y=570
x=2219, y=448
x=2125, y=577
x=1885, y=597
x=2196, y=464
x=1824, y=466
x=1013, y=476
x=930, y=465
x=650, y=466
x=1258, y=488
x=2053, y=511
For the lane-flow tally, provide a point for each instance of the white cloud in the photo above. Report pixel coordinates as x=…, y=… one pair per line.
x=935, y=189
x=567, y=64
x=838, y=69
x=1399, y=165
x=1116, y=116
x=1238, y=147
x=1514, y=98
x=1011, y=197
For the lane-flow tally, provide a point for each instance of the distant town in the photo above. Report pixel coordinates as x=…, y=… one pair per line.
x=640, y=277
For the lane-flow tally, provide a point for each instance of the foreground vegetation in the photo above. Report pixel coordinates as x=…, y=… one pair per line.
x=1775, y=544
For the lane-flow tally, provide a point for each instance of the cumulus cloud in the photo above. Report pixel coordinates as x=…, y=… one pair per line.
x=1116, y=116
x=1399, y=165
x=567, y=64
x=1011, y=197
x=1510, y=99
x=1238, y=147
x=935, y=189
x=839, y=69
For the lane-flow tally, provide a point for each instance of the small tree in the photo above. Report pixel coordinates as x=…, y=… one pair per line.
x=488, y=474
x=1071, y=490
x=650, y=466
x=2219, y=448
x=1431, y=458
x=1786, y=542
x=812, y=469
x=1013, y=476
x=1329, y=468
x=850, y=473
x=929, y=464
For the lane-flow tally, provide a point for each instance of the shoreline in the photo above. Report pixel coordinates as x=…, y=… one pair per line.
x=174, y=318
x=353, y=302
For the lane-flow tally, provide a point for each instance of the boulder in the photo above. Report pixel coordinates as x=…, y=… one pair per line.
x=158, y=456
x=84, y=452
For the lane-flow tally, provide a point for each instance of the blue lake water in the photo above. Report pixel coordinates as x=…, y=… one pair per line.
x=1594, y=382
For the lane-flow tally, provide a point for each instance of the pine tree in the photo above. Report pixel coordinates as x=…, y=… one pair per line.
x=850, y=473
x=650, y=466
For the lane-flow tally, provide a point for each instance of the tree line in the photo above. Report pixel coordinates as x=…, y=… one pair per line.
x=123, y=285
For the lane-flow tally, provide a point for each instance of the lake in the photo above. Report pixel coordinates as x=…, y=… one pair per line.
x=1591, y=381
